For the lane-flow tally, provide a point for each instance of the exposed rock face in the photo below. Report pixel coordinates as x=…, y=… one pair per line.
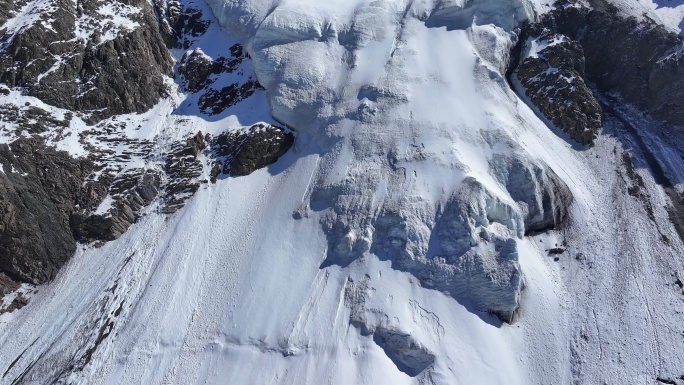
x=243, y=152
x=551, y=73
x=183, y=168
x=216, y=101
x=39, y=189
x=640, y=60
x=7, y=285
x=208, y=77
x=130, y=193
x=196, y=68
x=103, y=59
x=106, y=69
x=179, y=25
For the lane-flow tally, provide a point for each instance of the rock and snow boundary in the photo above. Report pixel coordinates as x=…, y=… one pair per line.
x=420, y=195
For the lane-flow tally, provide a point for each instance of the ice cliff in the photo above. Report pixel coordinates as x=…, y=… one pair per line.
x=398, y=177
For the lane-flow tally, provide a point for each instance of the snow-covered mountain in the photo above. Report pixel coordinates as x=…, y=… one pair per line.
x=342, y=192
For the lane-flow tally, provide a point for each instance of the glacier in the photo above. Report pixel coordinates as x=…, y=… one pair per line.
x=404, y=239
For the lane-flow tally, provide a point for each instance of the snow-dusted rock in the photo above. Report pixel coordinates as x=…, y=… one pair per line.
x=633, y=56
x=105, y=58
x=551, y=76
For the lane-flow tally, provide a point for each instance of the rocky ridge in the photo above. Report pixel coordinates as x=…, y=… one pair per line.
x=576, y=45
x=79, y=57
x=110, y=174
x=551, y=73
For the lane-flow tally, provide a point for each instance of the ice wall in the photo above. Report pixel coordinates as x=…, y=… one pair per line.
x=396, y=94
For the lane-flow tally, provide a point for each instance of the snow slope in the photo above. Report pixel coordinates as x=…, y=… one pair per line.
x=252, y=282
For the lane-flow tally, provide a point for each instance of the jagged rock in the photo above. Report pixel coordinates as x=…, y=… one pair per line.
x=640, y=60
x=130, y=192
x=16, y=304
x=39, y=189
x=243, y=152
x=177, y=24
x=197, y=68
x=551, y=73
x=216, y=168
x=215, y=101
x=7, y=285
x=183, y=168
x=196, y=144
x=200, y=72
x=114, y=76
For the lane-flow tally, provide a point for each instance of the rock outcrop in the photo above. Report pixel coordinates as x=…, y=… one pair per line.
x=639, y=60
x=129, y=193
x=197, y=68
x=551, y=73
x=39, y=190
x=179, y=25
x=240, y=153
x=183, y=169
x=73, y=57
x=210, y=79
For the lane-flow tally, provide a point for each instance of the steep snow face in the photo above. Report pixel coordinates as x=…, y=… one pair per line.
x=393, y=103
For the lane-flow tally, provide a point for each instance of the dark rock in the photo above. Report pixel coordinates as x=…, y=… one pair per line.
x=39, y=189
x=130, y=192
x=183, y=168
x=556, y=251
x=196, y=144
x=18, y=302
x=7, y=285
x=640, y=60
x=246, y=151
x=122, y=75
x=216, y=168
x=553, y=80
x=178, y=25
x=200, y=72
x=216, y=101
x=196, y=68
